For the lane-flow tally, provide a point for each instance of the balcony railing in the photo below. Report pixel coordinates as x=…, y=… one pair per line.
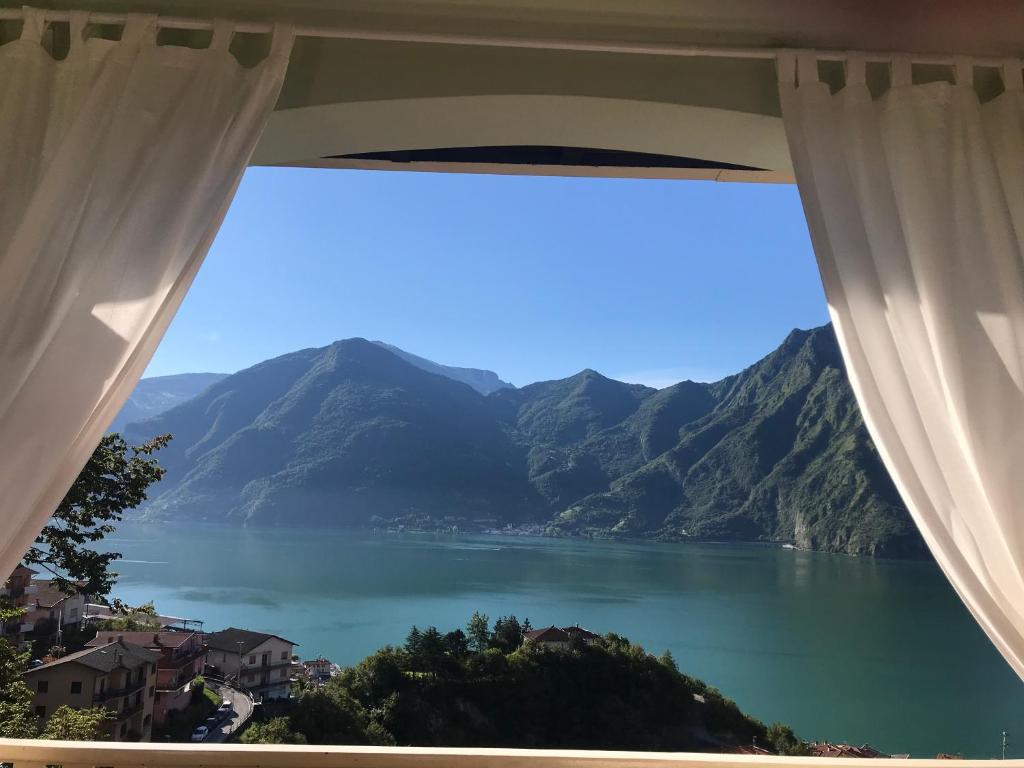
x=113, y=693
x=37, y=754
x=125, y=712
x=247, y=668
x=180, y=661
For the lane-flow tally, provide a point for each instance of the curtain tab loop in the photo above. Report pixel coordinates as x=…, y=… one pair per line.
x=807, y=67
x=139, y=28
x=1011, y=72
x=223, y=31
x=282, y=38
x=856, y=69
x=77, y=22
x=902, y=73
x=963, y=71
x=785, y=67
x=33, y=24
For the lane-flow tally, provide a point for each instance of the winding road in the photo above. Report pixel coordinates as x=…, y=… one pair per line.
x=241, y=706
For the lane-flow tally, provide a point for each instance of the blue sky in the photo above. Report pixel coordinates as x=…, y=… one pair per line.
x=534, y=278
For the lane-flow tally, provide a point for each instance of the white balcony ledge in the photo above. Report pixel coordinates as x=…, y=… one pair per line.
x=37, y=754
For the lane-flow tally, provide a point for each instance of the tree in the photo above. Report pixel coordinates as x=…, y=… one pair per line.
x=479, y=631
x=377, y=676
x=67, y=724
x=16, y=718
x=507, y=635
x=275, y=731
x=433, y=651
x=456, y=643
x=114, y=479
x=785, y=742
x=330, y=715
x=414, y=648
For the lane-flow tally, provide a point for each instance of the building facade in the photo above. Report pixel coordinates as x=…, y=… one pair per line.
x=260, y=662
x=18, y=589
x=119, y=676
x=52, y=612
x=318, y=670
x=182, y=658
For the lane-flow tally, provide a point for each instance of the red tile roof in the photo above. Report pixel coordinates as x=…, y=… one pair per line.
x=150, y=640
x=580, y=632
x=827, y=749
x=550, y=634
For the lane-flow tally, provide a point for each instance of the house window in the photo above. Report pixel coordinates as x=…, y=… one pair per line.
x=138, y=698
x=152, y=691
x=40, y=711
x=124, y=728
x=284, y=655
x=73, y=613
x=43, y=686
x=252, y=659
x=76, y=686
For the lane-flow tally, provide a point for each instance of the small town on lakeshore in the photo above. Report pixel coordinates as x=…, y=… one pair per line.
x=169, y=678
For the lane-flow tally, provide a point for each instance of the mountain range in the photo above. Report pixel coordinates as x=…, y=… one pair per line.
x=362, y=434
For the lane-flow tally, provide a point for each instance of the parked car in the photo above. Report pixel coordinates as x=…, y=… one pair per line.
x=200, y=733
x=225, y=708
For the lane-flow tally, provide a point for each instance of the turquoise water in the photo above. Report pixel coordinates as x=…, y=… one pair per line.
x=841, y=648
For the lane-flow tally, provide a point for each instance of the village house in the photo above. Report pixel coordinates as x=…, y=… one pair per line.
x=51, y=612
x=318, y=670
x=182, y=658
x=260, y=662
x=560, y=637
x=119, y=676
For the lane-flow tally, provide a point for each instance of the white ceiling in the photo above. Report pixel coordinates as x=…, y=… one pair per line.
x=977, y=27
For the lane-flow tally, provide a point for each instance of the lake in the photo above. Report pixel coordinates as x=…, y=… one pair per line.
x=841, y=648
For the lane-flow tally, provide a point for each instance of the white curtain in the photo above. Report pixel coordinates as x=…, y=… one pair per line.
x=915, y=204
x=117, y=165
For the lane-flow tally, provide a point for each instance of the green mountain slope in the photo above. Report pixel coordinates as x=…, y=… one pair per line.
x=783, y=457
x=356, y=435
x=344, y=435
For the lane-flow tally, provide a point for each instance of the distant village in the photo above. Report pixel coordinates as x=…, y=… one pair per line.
x=145, y=677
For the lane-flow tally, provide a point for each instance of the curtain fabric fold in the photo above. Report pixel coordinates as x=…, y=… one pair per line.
x=117, y=165
x=915, y=205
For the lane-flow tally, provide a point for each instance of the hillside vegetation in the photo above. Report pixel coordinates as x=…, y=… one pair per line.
x=354, y=435
x=488, y=688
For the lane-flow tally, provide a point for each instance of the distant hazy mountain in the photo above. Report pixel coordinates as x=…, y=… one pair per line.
x=354, y=434
x=482, y=381
x=155, y=395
